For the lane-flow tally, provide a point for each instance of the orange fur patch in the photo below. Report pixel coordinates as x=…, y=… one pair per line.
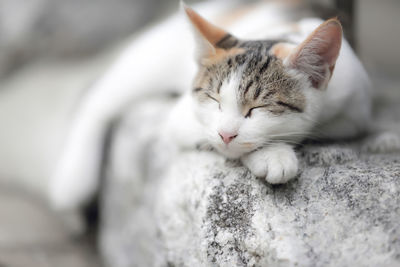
x=209, y=31
x=282, y=50
x=220, y=55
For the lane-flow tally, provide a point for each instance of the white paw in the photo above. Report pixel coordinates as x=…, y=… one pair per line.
x=383, y=142
x=278, y=163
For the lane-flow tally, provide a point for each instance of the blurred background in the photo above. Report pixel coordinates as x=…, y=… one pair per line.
x=51, y=51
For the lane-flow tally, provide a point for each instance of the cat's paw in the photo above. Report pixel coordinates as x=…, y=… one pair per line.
x=277, y=164
x=384, y=142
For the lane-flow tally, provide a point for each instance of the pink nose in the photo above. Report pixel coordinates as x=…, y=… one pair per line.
x=227, y=137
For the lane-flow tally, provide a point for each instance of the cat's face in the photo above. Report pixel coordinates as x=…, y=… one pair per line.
x=248, y=94
x=248, y=99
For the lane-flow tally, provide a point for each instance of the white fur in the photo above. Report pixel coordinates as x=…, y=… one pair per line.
x=276, y=163
x=162, y=58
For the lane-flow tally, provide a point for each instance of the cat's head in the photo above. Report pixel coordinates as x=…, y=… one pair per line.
x=248, y=94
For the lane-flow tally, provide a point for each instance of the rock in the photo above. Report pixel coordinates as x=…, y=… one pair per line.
x=199, y=209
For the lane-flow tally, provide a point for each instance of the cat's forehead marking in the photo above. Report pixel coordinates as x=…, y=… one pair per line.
x=267, y=82
x=262, y=78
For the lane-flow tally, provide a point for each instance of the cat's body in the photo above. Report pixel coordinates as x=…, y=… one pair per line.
x=251, y=95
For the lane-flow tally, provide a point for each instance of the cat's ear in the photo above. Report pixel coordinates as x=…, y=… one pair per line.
x=317, y=55
x=209, y=38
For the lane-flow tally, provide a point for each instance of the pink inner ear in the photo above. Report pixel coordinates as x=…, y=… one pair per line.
x=329, y=40
x=319, y=52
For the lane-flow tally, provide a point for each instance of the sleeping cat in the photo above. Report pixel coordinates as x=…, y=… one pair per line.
x=251, y=93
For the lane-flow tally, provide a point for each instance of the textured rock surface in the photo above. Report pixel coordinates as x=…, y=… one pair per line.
x=199, y=209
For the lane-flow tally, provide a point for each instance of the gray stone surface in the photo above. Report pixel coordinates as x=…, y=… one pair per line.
x=196, y=208
x=33, y=236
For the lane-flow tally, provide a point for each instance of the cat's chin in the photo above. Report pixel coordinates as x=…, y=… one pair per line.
x=231, y=153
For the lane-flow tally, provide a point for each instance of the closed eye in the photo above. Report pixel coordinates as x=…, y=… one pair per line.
x=248, y=115
x=289, y=106
x=279, y=104
x=219, y=105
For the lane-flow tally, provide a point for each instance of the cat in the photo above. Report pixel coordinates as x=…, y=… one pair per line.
x=252, y=92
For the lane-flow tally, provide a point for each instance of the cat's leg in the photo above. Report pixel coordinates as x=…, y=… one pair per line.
x=75, y=177
x=276, y=163
x=157, y=61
